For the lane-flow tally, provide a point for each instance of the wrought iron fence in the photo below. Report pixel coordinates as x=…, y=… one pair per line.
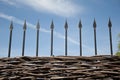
x=66, y=32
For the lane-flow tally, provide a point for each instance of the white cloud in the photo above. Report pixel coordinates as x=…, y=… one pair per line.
x=66, y=8
x=9, y=2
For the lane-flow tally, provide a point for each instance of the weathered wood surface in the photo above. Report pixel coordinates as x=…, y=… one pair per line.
x=60, y=68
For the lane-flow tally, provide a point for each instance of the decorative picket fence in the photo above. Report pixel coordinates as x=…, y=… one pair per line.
x=66, y=32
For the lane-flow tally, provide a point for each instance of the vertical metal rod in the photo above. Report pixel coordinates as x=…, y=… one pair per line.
x=37, y=40
x=80, y=36
x=65, y=42
x=110, y=35
x=111, y=48
x=24, y=34
x=80, y=32
x=52, y=28
x=66, y=27
x=95, y=43
x=51, y=42
x=10, y=41
x=37, y=43
x=23, y=47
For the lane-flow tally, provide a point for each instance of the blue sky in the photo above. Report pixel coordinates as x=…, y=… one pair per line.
x=59, y=11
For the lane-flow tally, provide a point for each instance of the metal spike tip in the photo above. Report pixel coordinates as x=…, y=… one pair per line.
x=52, y=25
x=11, y=25
x=66, y=25
x=94, y=24
x=80, y=24
x=109, y=23
x=38, y=25
x=25, y=26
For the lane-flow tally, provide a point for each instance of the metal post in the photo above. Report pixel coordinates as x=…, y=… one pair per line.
x=52, y=28
x=66, y=27
x=110, y=35
x=80, y=36
x=37, y=42
x=24, y=34
x=95, y=41
x=10, y=39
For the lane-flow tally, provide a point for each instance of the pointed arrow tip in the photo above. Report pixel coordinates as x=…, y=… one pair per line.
x=38, y=25
x=80, y=24
x=11, y=25
x=25, y=26
x=94, y=23
x=109, y=23
x=52, y=25
x=66, y=25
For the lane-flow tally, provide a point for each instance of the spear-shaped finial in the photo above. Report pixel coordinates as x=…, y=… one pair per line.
x=25, y=26
x=52, y=25
x=11, y=26
x=38, y=25
x=80, y=24
x=109, y=23
x=94, y=24
x=66, y=25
